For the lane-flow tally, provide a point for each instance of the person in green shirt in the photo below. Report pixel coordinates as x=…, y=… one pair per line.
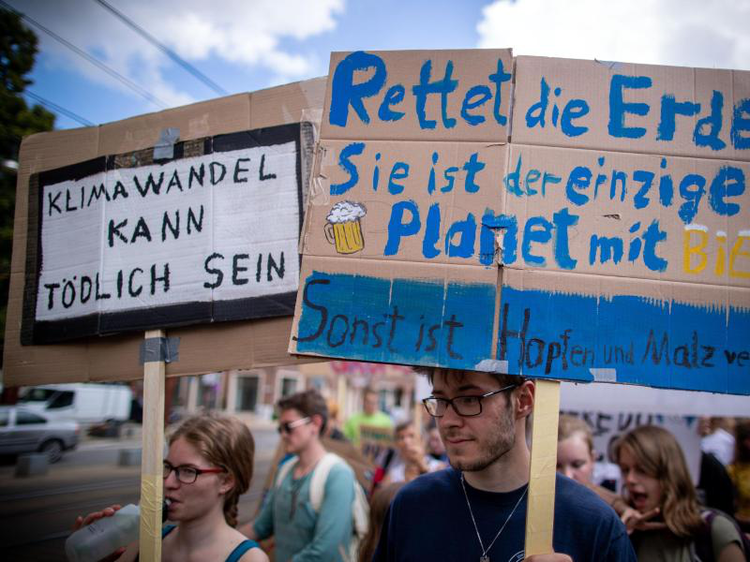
x=370, y=416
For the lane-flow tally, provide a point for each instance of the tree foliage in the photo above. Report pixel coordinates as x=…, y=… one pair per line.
x=18, y=49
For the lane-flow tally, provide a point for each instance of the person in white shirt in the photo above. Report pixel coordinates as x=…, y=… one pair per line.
x=719, y=441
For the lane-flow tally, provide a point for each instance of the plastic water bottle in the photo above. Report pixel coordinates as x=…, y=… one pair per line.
x=93, y=542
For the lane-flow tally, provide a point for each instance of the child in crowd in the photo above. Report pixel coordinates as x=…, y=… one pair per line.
x=410, y=459
x=575, y=449
x=658, y=487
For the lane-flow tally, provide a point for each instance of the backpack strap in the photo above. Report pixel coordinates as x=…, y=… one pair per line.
x=319, y=477
x=702, y=540
x=284, y=470
x=241, y=549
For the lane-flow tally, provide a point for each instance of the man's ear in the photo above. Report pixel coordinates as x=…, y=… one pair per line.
x=317, y=421
x=525, y=399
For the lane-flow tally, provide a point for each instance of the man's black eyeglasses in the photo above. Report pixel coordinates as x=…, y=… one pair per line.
x=188, y=474
x=463, y=405
x=287, y=427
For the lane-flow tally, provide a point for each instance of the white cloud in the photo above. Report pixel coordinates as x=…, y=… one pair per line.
x=705, y=33
x=247, y=33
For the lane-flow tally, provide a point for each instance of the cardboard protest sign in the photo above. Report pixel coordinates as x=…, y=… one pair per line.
x=166, y=220
x=373, y=440
x=138, y=240
x=606, y=239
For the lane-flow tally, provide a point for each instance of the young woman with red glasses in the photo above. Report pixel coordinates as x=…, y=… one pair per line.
x=208, y=467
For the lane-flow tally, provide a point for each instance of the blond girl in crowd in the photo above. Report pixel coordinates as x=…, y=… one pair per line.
x=657, y=481
x=575, y=449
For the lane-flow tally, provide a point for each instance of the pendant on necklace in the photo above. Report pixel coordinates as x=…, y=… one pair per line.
x=484, y=558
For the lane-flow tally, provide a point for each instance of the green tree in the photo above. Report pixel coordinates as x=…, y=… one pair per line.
x=18, y=49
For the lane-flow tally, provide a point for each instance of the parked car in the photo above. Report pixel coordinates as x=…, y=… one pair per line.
x=25, y=431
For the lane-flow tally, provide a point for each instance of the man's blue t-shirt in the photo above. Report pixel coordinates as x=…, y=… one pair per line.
x=429, y=520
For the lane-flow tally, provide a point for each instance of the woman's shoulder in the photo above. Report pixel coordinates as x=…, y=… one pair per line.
x=254, y=554
x=246, y=550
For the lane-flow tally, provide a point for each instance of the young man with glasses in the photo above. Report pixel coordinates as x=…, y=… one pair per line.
x=301, y=532
x=476, y=509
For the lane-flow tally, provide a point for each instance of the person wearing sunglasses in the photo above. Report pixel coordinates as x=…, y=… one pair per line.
x=301, y=532
x=208, y=467
x=476, y=508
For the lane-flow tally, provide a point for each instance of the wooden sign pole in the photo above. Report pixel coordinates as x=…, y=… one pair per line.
x=154, y=371
x=540, y=513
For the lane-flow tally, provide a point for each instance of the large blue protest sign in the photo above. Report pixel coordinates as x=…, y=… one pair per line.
x=607, y=238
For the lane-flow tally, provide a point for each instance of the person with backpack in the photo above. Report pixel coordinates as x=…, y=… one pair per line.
x=657, y=480
x=310, y=509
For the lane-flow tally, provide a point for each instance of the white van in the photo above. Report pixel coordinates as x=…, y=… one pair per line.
x=86, y=403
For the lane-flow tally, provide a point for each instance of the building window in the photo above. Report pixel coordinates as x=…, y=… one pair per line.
x=247, y=394
x=398, y=397
x=288, y=386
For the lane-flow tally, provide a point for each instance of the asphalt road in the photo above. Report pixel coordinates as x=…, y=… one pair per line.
x=36, y=513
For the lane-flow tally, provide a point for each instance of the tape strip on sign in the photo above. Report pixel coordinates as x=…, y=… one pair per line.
x=164, y=147
x=492, y=366
x=160, y=349
x=604, y=375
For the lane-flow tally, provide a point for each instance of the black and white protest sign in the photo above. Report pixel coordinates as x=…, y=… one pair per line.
x=132, y=242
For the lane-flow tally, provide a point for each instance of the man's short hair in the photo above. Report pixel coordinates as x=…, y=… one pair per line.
x=308, y=403
x=501, y=378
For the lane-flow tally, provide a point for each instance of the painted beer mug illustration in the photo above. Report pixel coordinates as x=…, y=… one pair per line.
x=343, y=228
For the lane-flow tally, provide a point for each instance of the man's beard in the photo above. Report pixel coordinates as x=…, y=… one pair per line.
x=500, y=439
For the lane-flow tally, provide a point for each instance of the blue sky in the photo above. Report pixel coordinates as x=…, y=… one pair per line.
x=245, y=45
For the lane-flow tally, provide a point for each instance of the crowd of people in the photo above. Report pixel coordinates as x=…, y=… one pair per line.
x=452, y=489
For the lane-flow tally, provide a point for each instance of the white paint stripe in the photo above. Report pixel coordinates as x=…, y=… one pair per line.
x=696, y=227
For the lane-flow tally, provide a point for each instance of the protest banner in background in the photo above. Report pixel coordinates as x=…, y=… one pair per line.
x=606, y=239
x=374, y=440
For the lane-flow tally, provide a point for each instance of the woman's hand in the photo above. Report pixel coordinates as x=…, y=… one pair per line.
x=634, y=520
x=95, y=516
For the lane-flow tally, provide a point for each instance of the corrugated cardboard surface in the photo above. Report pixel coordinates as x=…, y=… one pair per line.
x=202, y=349
x=619, y=226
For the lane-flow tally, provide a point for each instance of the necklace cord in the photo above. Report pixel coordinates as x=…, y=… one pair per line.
x=476, y=529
